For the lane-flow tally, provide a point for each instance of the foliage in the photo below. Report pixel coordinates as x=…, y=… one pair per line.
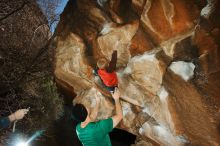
x=44, y=102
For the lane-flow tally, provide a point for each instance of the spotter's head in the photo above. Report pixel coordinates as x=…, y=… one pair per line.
x=79, y=112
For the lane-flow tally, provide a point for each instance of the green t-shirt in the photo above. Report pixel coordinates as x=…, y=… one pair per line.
x=95, y=133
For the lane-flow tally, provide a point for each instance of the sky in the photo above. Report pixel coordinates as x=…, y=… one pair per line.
x=59, y=10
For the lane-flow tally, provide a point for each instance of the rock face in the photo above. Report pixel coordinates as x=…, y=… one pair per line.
x=168, y=65
x=23, y=32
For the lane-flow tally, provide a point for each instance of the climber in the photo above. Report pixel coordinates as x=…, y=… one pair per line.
x=107, y=73
x=92, y=133
x=18, y=115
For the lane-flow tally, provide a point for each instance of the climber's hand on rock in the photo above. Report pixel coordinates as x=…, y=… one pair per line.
x=116, y=94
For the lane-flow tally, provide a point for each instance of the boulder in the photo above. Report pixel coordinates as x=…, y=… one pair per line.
x=166, y=19
x=116, y=38
x=168, y=66
x=71, y=65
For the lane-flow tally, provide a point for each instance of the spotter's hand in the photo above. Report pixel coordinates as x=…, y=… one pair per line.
x=19, y=114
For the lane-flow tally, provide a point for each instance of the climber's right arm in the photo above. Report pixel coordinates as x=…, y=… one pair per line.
x=119, y=114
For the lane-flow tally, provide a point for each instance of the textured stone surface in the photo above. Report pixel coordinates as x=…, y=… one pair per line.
x=159, y=106
x=140, y=43
x=71, y=66
x=167, y=18
x=194, y=118
x=23, y=33
x=118, y=38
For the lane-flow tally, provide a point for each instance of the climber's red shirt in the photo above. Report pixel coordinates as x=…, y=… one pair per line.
x=109, y=79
